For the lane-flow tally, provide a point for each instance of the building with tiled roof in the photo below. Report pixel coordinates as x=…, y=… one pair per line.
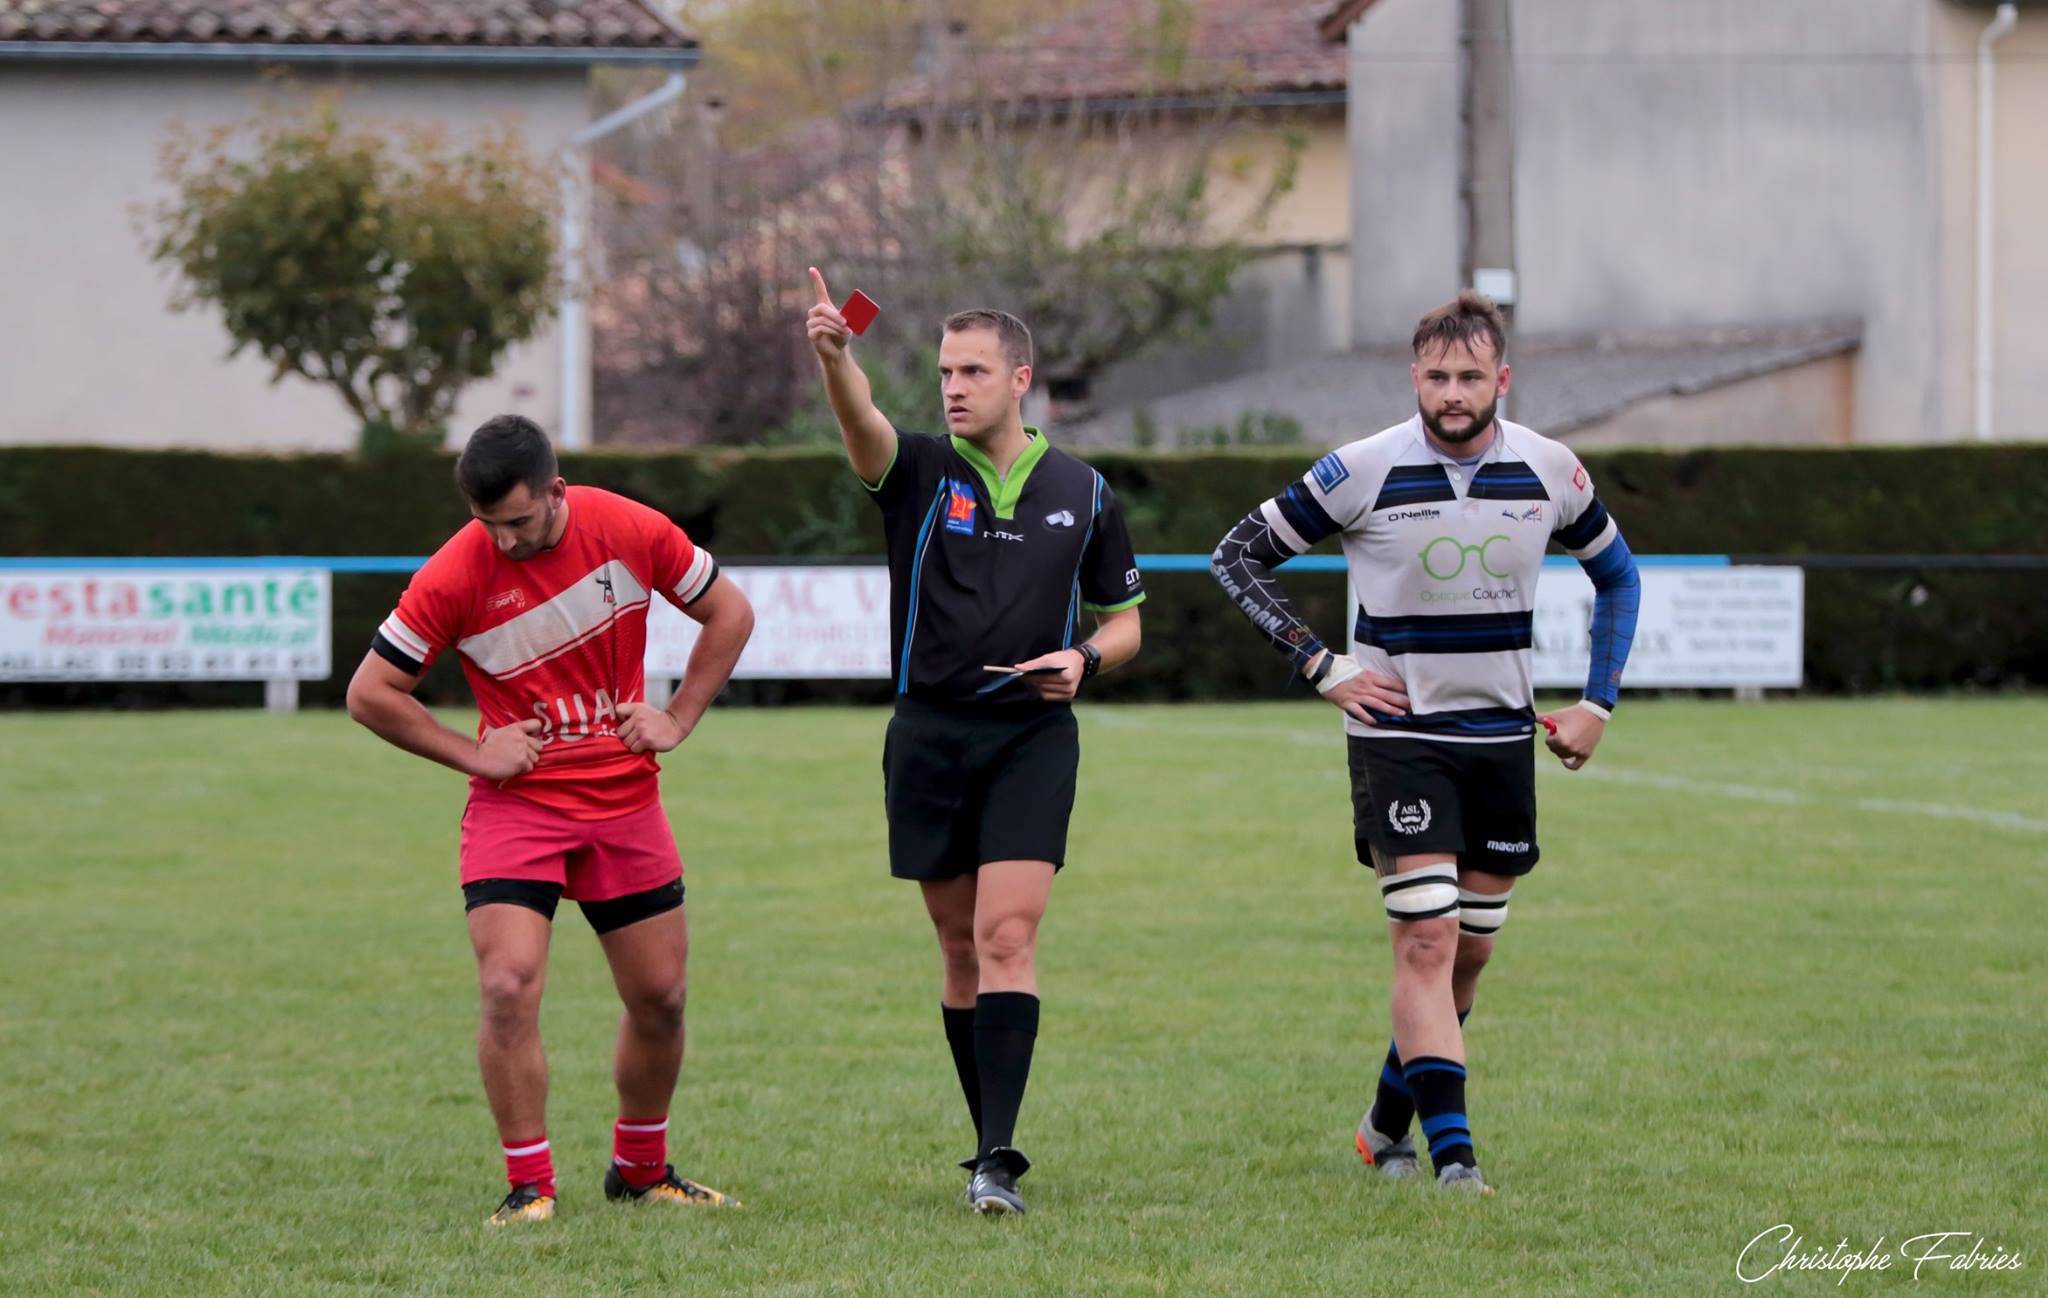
x=1732, y=167
x=1147, y=79
x=626, y=30
x=1115, y=53
x=89, y=91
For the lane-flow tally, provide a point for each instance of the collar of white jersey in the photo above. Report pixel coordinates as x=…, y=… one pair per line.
x=1492, y=454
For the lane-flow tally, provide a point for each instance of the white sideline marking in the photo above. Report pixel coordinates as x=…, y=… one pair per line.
x=1649, y=779
x=1787, y=798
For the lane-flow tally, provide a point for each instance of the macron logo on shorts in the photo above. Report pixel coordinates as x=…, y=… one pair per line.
x=1514, y=849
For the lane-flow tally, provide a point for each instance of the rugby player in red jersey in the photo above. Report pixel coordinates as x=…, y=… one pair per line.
x=545, y=597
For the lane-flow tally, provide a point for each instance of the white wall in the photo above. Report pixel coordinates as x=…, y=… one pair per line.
x=2019, y=218
x=1803, y=405
x=1698, y=162
x=91, y=353
x=1284, y=307
x=1404, y=166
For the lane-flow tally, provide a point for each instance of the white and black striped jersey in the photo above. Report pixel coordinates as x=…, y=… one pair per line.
x=1443, y=559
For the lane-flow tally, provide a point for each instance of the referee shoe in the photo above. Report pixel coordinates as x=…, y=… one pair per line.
x=992, y=1191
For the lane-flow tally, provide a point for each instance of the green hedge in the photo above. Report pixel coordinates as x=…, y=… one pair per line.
x=1865, y=629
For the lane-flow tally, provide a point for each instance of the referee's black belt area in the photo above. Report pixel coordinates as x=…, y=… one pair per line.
x=1014, y=709
x=1446, y=633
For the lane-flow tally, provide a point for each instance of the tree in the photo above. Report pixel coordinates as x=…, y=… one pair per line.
x=395, y=270
x=1106, y=236
x=1106, y=233
x=776, y=64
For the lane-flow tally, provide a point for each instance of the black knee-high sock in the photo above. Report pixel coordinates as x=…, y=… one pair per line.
x=1438, y=1087
x=1392, y=1107
x=960, y=1036
x=1005, y=1029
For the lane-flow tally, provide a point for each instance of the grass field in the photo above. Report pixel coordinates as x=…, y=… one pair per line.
x=1781, y=963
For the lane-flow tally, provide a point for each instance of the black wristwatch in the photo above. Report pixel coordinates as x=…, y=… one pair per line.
x=1091, y=659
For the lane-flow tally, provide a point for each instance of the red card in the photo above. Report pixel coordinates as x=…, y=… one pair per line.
x=860, y=312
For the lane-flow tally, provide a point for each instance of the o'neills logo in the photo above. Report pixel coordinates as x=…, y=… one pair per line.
x=1402, y=515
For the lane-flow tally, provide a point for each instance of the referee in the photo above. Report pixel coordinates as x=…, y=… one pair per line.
x=997, y=542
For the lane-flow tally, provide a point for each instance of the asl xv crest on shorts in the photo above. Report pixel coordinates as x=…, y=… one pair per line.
x=1408, y=817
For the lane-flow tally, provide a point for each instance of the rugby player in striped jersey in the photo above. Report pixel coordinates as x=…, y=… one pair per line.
x=1444, y=520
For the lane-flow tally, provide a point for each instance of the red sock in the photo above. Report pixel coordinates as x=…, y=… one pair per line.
x=530, y=1162
x=640, y=1149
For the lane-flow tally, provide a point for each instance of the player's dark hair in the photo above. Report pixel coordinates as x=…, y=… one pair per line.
x=1010, y=332
x=503, y=452
x=1466, y=319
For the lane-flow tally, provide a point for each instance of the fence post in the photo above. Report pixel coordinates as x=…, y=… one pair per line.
x=281, y=696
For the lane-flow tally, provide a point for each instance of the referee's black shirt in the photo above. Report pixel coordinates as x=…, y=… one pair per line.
x=986, y=570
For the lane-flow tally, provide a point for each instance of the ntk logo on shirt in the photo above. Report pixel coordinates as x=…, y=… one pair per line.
x=959, y=507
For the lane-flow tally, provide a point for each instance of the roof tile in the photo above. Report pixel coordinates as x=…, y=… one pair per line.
x=1115, y=49
x=552, y=23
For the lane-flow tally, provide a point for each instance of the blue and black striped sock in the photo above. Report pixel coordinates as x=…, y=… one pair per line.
x=1392, y=1108
x=1437, y=1087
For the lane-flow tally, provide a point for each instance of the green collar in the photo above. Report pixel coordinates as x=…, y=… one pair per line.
x=1004, y=491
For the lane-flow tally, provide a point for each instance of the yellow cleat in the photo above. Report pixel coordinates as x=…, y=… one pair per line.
x=671, y=1188
x=525, y=1203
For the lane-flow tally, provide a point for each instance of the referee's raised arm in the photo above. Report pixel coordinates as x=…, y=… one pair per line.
x=869, y=436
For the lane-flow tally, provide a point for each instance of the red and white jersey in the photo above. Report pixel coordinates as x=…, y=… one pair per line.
x=559, y=637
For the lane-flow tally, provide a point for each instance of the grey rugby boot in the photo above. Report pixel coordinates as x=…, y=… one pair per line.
x=1464, y=1180
x=1393, y=1158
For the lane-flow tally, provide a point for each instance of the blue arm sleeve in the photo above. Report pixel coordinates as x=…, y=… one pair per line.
x=1617, y=596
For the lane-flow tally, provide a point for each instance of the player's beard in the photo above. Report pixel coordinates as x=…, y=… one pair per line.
x=532, y=550
x=1482, y=419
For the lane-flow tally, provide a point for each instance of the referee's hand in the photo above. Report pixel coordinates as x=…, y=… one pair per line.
x=828, y=329
x=1055, y=686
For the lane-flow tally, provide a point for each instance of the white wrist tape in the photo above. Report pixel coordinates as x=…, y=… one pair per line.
x=1342, y=668
x=1595, y=709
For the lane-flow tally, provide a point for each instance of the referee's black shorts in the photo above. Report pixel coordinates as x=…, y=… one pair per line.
x=968, y=786
x=1411, y=797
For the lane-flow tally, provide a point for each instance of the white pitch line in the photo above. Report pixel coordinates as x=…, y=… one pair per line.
x=1679, y=784
x=1789, y=798
x=1613, y=775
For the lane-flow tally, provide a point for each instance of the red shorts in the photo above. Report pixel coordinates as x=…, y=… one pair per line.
x=505, y=836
